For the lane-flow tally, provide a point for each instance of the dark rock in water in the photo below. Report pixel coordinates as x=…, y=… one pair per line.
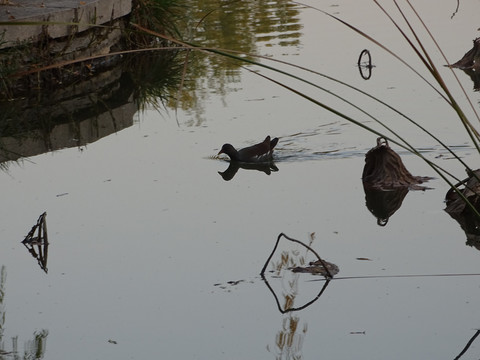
x=384, y=170
x=459, y=210
x=470, y=64
x=471, y=60
x=455, y=203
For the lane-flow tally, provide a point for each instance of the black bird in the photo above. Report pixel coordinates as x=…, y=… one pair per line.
x=261, y=152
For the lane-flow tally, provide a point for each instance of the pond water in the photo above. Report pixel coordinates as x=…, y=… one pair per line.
x=152, y=254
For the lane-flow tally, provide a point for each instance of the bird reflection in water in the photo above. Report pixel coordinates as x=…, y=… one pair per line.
x=232, y=169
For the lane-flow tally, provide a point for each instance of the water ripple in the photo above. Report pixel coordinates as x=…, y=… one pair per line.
x=318, y=144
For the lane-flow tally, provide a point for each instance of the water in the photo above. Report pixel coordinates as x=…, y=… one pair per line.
x=153, y=254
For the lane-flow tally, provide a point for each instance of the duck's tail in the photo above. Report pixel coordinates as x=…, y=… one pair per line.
x=273, y=143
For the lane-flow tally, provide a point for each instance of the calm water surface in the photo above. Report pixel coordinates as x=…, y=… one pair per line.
x=154, y=255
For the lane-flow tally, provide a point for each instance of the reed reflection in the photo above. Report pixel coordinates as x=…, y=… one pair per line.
x=34, y=348
x=289, y=339
x=286, y=272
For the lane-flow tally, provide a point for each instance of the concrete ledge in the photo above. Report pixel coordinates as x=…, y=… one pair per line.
x=85, y=12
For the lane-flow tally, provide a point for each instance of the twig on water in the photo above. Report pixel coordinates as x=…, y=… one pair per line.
x=470, y=342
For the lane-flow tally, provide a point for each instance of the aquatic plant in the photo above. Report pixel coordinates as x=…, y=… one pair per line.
x=158, y=15
x=155, y=77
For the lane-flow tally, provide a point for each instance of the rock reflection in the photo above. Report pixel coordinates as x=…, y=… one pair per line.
x=475, y=77
x=47, y=119
x=384, y=203
x=234, y=166
x=73, y=112
x=458, y=209
x=470, y=224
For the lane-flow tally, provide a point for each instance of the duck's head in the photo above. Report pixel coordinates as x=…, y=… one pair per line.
x=227, y=149
x=230, y=151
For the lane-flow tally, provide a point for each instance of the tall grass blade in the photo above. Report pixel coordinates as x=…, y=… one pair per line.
x=446, y=60
x=433, y=70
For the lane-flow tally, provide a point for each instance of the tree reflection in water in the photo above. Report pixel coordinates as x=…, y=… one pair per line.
x=215, y=24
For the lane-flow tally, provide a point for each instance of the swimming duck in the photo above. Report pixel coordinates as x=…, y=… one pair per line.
x=261, y=152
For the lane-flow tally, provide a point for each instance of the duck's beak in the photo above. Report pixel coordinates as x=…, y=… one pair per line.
x=220, y=152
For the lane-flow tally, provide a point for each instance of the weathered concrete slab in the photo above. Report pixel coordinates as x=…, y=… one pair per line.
x=61, y=12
